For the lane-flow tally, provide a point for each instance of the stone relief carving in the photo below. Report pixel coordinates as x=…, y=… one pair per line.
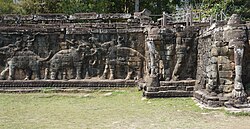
x=140, y=49
x=117, y=54
x=237, y=40
x=69, y=58
x=20, y=57
x=90, y=58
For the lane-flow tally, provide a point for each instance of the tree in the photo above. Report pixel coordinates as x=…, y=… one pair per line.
x=122, y=6
x=7, y=7
x=229, y=7
x=99, y=6
x=158, y=6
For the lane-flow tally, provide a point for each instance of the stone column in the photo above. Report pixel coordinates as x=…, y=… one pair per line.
x=235, y=34
x=152, y=63
x=151, y=79
x=181, y=52
x=238, y=91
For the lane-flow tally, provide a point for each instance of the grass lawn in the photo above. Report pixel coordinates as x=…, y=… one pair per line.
x=117, y=109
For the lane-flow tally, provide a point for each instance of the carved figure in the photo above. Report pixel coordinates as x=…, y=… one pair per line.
x=182, y=49
x=152, y=53
x=29, y=43
x=113, y=58
x=134, y=64
x=69, y=58
x=109, y=47
x=19, y=56
x=93, y=60
x=152, y=35
x=237, y=39
x=25, y=60
x=7, y=52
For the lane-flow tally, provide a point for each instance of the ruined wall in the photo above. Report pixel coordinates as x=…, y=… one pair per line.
x=51, y=33
x=128, y=58
x=218, y=62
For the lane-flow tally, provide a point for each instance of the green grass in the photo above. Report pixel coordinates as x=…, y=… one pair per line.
x=124, y=109
x=238, y=113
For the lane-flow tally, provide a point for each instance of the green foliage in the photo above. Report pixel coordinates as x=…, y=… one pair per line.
x=7, y=7
x=229, y=7
x=122, y=6
x=80, y=6
x=158, y=6
x=238, y=113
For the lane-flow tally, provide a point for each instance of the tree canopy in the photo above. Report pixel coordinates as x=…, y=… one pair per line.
x=229, y=7
x=241, y=7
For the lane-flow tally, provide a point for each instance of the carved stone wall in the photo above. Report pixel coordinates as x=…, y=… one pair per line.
x=51, y=33
x=221, y=70
x=167, y=60
x=56, y=32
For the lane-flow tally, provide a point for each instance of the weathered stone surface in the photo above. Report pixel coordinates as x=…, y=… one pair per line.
x=223, y=51
x=226, y=74
x=169, y=94
x=230, y=52
x=228, y=88
x=223, y=60
x=214, y=51
x=93, y=46
x=28, y=84
x=214, y=60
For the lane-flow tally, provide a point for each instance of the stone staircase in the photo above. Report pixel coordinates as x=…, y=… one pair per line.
x=184, y=88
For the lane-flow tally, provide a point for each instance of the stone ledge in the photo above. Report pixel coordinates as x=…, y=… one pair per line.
x=56, y=90
x=170, y=93
x=211, y=101
x=178, y=83
x=26, y=84
x=183, y=88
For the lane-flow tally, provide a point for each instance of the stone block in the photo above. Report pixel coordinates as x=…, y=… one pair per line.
x=190, y=88
x=223, y=60
x=210, y=98
x=214, y=51
x=165, y=88
x=226, y=67
x=221, y=43
x=228, y=88
x=226, y=74
x=229, y=82
x=222, y=81
x=218, y=35
x=212, y=75
x=223, y=51
x=213, y=103
x=183, y=88
x=234, y=33
x=152, y=89
x=208, y=68
x=214, y=60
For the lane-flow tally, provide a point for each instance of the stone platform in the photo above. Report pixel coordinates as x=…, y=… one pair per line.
x=183, y=88
x=206, y=99
x=210, y=101
x=12, y=85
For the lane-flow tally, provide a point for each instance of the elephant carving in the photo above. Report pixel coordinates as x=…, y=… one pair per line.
x=25, y=60
x=68, y=58
x=116, y=55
